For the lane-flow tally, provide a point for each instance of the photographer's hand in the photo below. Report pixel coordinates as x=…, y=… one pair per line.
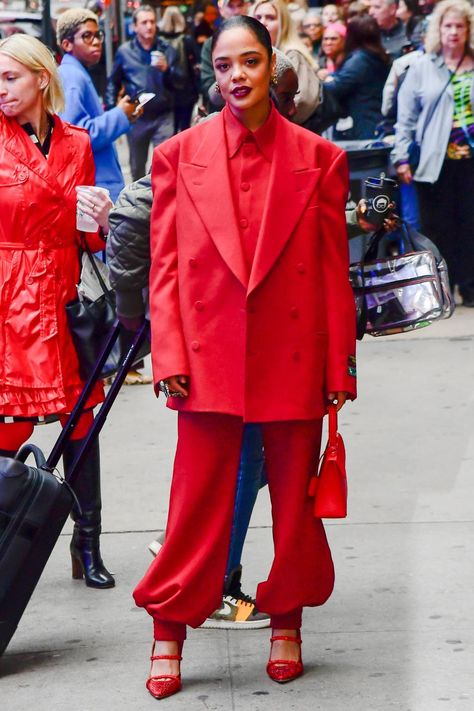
x=404, y=173
x=389, y=224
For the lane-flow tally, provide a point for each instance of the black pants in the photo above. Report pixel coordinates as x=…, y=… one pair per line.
x=447, y=218
x=182, y=117
x=143, y=132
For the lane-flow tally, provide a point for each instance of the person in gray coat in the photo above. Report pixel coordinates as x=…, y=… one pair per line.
x=436, y=112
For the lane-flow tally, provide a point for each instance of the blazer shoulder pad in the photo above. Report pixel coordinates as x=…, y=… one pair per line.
x=185, y=143
x=309, y=141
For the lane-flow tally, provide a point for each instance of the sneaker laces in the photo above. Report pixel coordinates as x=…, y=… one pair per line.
x=242, y=597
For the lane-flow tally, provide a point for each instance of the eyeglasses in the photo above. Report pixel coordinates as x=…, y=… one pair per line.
x=312, y=25
x=88, y=37
x=331, y=39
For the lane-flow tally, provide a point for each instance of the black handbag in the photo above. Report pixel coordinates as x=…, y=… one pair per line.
x=91, y=322
x=396, y=293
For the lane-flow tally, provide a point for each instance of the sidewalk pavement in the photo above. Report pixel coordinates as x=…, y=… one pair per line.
x=397, y=632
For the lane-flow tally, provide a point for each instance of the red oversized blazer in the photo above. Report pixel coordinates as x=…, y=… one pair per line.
x=269, y=346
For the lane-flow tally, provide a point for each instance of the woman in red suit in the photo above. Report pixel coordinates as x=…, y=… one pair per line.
x=42, y=160
x=253, y=321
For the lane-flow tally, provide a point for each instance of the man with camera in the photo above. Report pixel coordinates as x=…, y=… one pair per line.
x=146, y=64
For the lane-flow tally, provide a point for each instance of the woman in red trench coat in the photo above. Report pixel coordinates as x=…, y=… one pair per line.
x=42, y=160
x=252, y=321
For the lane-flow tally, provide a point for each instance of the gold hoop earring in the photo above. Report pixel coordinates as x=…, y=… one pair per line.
x=273, y=80
x=218, y=89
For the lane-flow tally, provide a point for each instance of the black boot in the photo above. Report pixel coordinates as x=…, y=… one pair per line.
x=85, y=551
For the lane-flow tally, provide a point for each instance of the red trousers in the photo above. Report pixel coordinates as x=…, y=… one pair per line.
x=183, y=585
x=14, y=434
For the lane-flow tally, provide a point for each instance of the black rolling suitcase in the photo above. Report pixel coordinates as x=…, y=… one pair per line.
x=35, y=502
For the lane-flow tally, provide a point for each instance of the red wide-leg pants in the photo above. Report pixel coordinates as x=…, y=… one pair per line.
x=183, y=585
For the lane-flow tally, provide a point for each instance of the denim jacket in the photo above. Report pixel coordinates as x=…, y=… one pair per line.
x=420, y=91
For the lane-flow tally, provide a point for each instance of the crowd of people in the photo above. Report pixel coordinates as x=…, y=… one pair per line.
x=235, y=246
x=351, y=60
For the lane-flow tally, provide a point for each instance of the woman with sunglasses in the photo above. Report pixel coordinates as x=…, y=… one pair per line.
x=81, y=40
x=252, y=320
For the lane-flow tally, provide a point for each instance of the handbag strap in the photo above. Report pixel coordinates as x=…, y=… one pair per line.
x=332, y=426
x=436, y=103
x=86, y=249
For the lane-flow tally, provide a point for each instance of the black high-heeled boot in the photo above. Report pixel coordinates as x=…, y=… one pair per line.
x=85, y=548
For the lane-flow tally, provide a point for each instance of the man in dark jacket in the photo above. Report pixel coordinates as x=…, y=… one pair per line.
x=394, y=35
x=146, y=64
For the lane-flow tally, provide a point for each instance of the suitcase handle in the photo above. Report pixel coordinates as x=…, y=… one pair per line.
x=104, y=410
x=27, y=449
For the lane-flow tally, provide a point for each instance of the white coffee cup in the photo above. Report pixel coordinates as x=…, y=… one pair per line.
x=156, y=55
x=84, y=222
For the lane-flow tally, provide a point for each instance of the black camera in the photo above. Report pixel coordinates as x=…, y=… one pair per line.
x=380, y=194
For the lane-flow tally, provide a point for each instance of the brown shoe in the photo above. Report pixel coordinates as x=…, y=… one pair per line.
x=134, y=377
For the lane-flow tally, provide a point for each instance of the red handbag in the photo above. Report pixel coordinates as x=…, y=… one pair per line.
x=329, y=485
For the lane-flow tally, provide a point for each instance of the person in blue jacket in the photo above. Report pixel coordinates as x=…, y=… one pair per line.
x=358, y=84
x=81, y=40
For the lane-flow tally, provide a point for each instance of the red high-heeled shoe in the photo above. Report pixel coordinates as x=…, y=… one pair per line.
x=283, y=670
x=165, y=684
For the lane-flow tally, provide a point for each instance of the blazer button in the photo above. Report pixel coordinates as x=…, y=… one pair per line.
x=294, y=313
x=29, y=280
x=193, y=263
x=245, y=187
x=301, y=268
x=199, y=306
x=244, y=223
x=195, y=345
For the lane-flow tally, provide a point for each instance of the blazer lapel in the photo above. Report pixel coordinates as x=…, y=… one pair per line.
x=290, y=176
x=207, y=181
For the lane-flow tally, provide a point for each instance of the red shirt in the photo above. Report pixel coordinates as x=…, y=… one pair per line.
x=250, y=158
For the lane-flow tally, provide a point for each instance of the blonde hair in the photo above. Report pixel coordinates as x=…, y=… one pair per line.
x=287, y=33
x=70, y=20
x=35, y=56
x=173, y=20
x=433, y=34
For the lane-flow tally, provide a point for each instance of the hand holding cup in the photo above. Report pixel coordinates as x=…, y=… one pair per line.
x=158, y=60
x=93, y=207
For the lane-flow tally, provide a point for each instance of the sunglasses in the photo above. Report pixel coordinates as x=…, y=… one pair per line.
x=88, y=37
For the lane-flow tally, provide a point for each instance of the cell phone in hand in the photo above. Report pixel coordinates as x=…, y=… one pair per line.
x=141, y=99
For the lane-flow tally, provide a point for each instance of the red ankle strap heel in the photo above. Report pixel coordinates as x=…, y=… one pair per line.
x=164, y=684
x=283, y=670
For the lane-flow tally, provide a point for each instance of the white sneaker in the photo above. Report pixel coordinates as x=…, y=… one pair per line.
x=155, y=546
